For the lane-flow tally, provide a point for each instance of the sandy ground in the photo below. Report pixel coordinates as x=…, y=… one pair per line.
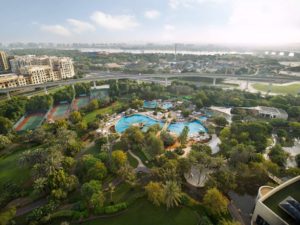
x=242, y=85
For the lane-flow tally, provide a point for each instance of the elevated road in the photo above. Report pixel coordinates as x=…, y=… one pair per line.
x=95, y=76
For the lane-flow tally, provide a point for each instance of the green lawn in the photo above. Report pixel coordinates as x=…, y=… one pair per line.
x=89, y=117
x=292, y=89
x=132, y=161
x=93, y=150
x=11, y=171
x=145, y=213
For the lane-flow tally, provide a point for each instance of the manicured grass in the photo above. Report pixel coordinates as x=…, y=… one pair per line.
x=292, y=89
x=132, y=161
x=11, y=171
x=93, y=150
x=108, y=110
x=145, y=213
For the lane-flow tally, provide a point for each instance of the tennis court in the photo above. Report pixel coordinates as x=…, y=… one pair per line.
x=30, y=122
x=99, y=93
x=80, y=102
x=59, y=112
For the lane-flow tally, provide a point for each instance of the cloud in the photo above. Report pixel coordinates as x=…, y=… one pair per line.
x=56, y=29
x=174, y=4
x=169, y=27
x=152, y=14
x=114, y=22
x=80, y=26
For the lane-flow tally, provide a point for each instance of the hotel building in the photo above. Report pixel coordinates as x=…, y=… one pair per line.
x=279, y=205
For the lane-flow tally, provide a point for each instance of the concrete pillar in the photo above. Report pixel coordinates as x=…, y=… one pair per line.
x=166, y=81
x=73, y=87
x=94, y=82
x=247, y=85
x=45, y=89
x=8, y=95
x=214, y=81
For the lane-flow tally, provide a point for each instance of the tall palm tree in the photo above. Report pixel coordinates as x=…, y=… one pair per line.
x=172, y=194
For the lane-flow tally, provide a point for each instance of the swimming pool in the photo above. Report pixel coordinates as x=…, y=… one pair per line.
x=194, y=127
x=150, y=104
x=127, y=121
x=167, y=105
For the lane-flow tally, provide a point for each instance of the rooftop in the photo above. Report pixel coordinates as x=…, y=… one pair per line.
x=272, y=202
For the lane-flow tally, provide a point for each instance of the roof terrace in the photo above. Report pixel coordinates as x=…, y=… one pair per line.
x=273, y=201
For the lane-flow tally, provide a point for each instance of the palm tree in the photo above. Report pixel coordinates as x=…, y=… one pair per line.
x=172, y=194
x=111, y=190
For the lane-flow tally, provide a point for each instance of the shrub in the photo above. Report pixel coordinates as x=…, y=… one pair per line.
x=179, y=151
x=63, y=214
x=115, y=208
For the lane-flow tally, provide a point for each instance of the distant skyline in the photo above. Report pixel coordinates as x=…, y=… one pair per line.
x=253, y=22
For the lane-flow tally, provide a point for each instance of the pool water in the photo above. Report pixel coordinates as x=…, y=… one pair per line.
x=203, y=118
x=194, y=127
x=127, y=121
x=150, y=104
x=167, y=105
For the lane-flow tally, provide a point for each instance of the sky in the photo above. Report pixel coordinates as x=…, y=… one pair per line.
x=157, y=21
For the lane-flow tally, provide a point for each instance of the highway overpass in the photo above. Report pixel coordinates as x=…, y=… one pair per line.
x=95, y=76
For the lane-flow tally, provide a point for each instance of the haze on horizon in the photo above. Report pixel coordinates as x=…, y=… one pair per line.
x=252, y=22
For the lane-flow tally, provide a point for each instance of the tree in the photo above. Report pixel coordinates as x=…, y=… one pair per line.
x=119, y=157
x=215, y=202
x=132, y=138
x=154, y=145
x=5, y=125
x=127, y=173
x=205, y=164
x=7, y=216
x=223, y=179
x=167, y=138
x=172, y=194
x=97, y=171
x=185, y=113
x=184, y=135
x=155, y=193
x=93, y=105
x=4, y=141
x=75, y=117
x=278, y=155
x=136, y=103
x=92, y=194
x=61, y=183
x=40, y=185
x=39, y=103
x=220, y=121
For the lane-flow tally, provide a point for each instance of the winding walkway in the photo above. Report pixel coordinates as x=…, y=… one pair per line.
x=141, y=166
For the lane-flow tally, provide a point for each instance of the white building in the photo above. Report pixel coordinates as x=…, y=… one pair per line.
x=279, y=205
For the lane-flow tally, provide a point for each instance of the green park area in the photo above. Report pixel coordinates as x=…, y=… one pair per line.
x=10, y=170
x=143, y=212
x=89, y=117
x=292, y=89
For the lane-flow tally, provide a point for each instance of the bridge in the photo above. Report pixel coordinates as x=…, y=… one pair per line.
x=95, y=76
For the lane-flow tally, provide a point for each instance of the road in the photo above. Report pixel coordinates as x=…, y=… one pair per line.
x=94, y=76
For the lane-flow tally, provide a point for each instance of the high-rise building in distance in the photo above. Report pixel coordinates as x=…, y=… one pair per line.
x=4, y=64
